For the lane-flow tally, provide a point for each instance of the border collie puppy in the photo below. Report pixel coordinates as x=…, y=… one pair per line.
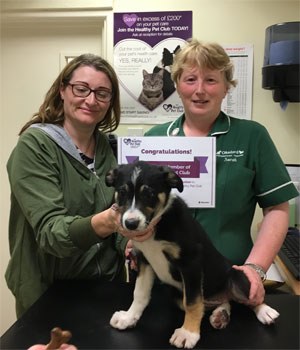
x=179, y=253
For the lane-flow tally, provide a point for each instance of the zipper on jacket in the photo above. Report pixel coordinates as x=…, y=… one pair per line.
x=97, y=261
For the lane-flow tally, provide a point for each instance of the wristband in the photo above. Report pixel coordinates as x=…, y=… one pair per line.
x=258, y=269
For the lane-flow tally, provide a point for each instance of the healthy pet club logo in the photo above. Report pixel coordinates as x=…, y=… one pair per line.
x=174, y=108
x=132, y=143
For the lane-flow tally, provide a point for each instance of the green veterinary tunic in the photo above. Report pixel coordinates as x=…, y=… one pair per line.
x=249, y=171
x=53, y=197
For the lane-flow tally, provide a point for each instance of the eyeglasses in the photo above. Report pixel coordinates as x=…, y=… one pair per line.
x=84, y=91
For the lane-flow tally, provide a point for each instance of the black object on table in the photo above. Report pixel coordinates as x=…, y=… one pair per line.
x=289, y=252
x=85, y=308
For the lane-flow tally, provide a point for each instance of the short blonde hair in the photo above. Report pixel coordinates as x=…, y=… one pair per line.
x=204, y=56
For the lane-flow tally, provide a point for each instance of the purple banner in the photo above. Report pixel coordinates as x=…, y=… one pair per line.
x=152, y=27
x=184, y=169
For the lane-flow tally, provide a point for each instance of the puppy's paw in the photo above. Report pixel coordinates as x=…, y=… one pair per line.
x=265, y=314
x=123, y=319
x=182, y=338
x=219, y=318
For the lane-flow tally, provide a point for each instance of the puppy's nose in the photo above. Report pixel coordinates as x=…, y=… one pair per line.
x=132, y=224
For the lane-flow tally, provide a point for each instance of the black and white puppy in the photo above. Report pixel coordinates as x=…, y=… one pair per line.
x=179, y=253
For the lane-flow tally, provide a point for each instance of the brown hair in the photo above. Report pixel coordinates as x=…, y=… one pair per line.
x=52, y=111
x=203, y=55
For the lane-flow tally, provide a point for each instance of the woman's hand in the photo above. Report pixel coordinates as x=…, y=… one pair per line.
x=257, y=290
x=109, y=221
x=131, y=256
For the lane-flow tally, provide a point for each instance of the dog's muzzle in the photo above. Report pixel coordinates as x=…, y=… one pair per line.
x=134, y=220
x=131, y=224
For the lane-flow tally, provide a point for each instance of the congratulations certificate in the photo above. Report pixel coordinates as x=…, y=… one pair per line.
x=192, y=158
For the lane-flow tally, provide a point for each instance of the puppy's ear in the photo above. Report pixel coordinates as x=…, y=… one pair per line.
x=173, y=179
x=110, y=177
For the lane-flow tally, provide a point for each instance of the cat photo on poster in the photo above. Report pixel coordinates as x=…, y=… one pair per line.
x=158, y=85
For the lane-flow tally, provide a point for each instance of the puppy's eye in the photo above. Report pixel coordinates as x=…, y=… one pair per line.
x=147, y=195
x=122, y=191
x=122, y=195
x=147, y=191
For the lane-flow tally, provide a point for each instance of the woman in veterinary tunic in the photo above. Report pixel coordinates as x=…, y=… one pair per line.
x=249, y=168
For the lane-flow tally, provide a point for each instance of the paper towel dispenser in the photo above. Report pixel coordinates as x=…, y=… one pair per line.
x=280, y=72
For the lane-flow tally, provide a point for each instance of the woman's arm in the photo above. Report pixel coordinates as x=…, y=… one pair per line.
x=271, y=235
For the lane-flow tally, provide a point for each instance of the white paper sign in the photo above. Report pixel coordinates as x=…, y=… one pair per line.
x=238, y=101
x=192, y=158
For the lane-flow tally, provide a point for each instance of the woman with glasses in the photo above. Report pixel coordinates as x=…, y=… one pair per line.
x=61, y=223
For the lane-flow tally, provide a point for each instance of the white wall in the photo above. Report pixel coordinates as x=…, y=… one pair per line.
x=30, y=62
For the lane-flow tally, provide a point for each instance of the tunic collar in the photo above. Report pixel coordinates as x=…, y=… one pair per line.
x=221, y=126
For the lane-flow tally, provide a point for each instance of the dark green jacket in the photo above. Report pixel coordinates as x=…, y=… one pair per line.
x=53, y=197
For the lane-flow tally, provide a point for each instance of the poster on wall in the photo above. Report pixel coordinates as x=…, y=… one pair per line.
x=144, y=46
x=238, y=102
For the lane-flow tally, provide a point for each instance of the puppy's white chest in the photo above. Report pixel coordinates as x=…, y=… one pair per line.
x=154, y=251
